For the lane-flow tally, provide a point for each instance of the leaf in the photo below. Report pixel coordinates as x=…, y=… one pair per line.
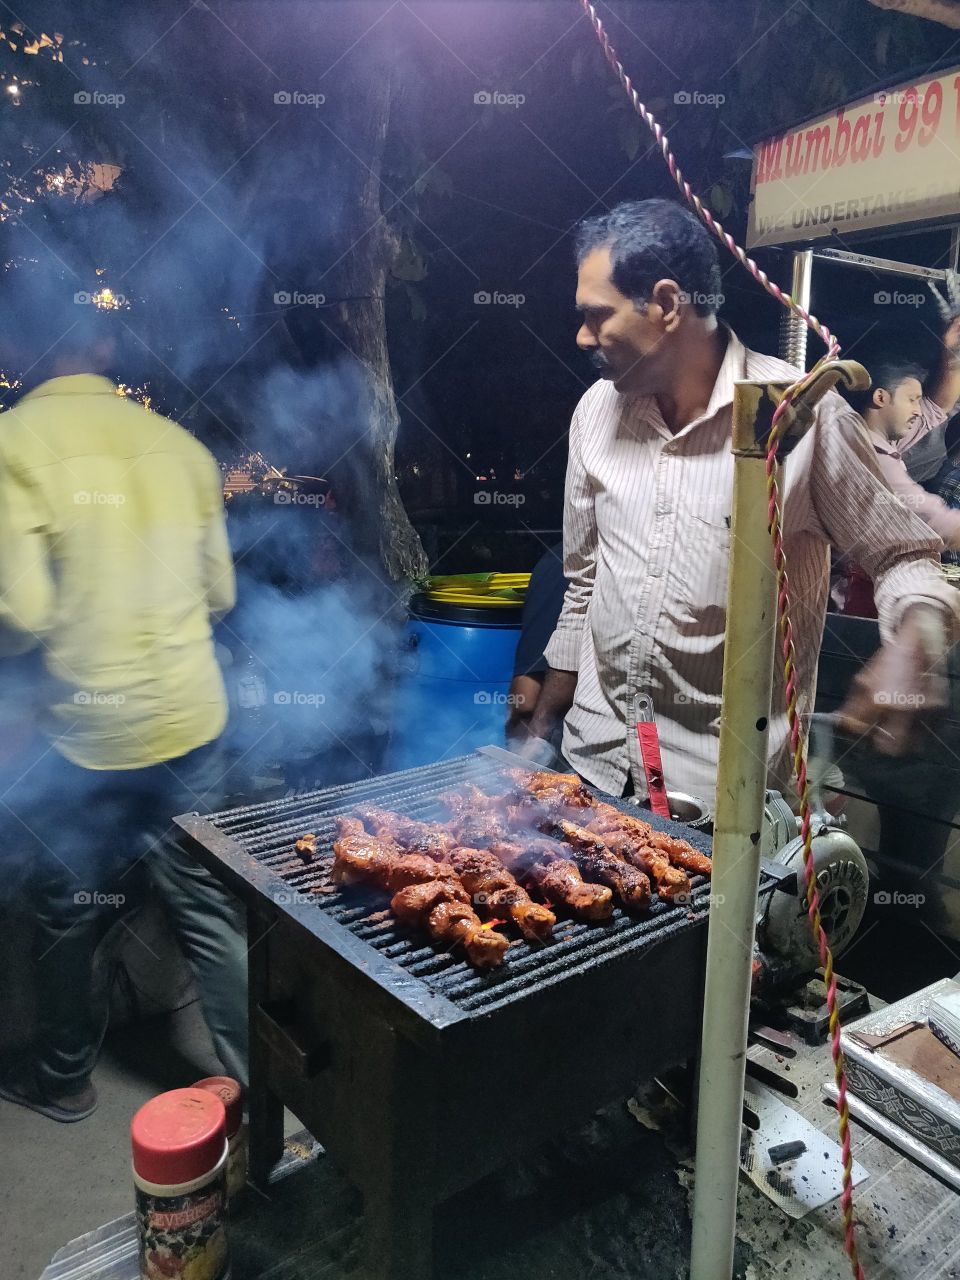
x=628, y=135
x=721, y=199
x=409, y=263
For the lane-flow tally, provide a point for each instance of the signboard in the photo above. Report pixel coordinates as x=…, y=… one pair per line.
x=888, y=159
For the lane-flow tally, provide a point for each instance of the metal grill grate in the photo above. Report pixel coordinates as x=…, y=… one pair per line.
x=266, y=832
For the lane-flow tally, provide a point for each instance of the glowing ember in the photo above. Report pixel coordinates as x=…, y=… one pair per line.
x=492, y=924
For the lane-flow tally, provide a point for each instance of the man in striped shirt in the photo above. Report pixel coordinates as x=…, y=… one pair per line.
x=647, y=525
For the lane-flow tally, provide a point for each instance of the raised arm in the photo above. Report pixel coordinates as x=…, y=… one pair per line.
x=919, y=612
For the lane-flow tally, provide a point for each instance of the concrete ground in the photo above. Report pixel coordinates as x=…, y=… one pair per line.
x=60, y=1180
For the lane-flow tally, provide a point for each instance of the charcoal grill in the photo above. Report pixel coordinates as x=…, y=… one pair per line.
x=419, y=1074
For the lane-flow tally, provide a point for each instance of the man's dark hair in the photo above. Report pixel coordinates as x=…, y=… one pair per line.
x=887, y=370
x=653, y=240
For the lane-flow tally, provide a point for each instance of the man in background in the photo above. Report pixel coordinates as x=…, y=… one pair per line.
x=541, y=609
x=922, y=447
x=113, y=560
x=894, y=409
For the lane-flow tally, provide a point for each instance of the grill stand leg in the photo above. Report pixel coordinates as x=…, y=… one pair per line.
x=398, y=1188
x=266, y=1110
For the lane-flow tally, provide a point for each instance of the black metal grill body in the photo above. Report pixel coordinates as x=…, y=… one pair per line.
x=419, y=1074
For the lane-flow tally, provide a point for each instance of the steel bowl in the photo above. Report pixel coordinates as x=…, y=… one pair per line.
x=689, y=810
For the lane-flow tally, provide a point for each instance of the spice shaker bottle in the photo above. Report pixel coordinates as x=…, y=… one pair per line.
x=179, y=1171
x=230, y=1094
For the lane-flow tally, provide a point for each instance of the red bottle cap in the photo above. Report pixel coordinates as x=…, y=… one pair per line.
x=178, y=1136
x=230, y=1094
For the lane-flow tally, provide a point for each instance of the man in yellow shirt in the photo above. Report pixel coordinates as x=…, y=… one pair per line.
x=113, y=560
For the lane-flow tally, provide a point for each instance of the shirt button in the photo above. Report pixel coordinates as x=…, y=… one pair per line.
x=655, y=571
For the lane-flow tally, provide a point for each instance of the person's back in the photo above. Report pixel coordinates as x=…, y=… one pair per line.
x=116, y=557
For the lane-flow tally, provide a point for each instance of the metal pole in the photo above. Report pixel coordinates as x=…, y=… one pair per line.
x=741, y=786
x=793, y=332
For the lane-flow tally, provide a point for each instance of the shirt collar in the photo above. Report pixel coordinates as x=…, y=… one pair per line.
x=733, y=368
x=74, y=384
x=889, y=448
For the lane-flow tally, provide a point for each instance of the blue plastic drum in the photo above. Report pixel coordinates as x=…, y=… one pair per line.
x=452, y=694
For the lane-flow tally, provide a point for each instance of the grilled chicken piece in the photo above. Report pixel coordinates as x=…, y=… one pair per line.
x=670, y=882
x=414, y=836
x=495, y=891
x=359, y=856
x=561, y=788
x=603, y=866
x=681, y=853
x=543, y=863
x=442, y=907
x=425, y=892
x=306, y=847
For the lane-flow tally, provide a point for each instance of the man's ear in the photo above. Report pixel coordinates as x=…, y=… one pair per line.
x=670, y=298
x=880, y=399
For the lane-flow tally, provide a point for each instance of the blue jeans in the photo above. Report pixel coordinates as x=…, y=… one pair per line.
x=92, y=835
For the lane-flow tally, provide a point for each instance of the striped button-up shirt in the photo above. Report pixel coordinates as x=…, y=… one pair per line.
x=646, y=549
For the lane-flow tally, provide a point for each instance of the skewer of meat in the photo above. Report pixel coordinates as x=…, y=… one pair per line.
x=442, y=908
x=602, y=865
x=425, y=891
x=671, y=882
x=544, y=863
x=493, y=888
x=680, y=852
x=561, y=794
x=416, y=837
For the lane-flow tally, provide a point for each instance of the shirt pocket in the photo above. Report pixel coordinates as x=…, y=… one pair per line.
x=705, y=555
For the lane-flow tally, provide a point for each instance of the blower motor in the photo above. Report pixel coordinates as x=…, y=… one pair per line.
x=843, y=882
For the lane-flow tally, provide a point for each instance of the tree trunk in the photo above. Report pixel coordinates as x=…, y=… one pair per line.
x=366, y=473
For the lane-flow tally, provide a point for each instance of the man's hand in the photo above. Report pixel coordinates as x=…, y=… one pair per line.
x=951, y=340
x=899, y=685
x=556, y=699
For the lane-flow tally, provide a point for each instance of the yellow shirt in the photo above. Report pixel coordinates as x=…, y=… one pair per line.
x=113, y=557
